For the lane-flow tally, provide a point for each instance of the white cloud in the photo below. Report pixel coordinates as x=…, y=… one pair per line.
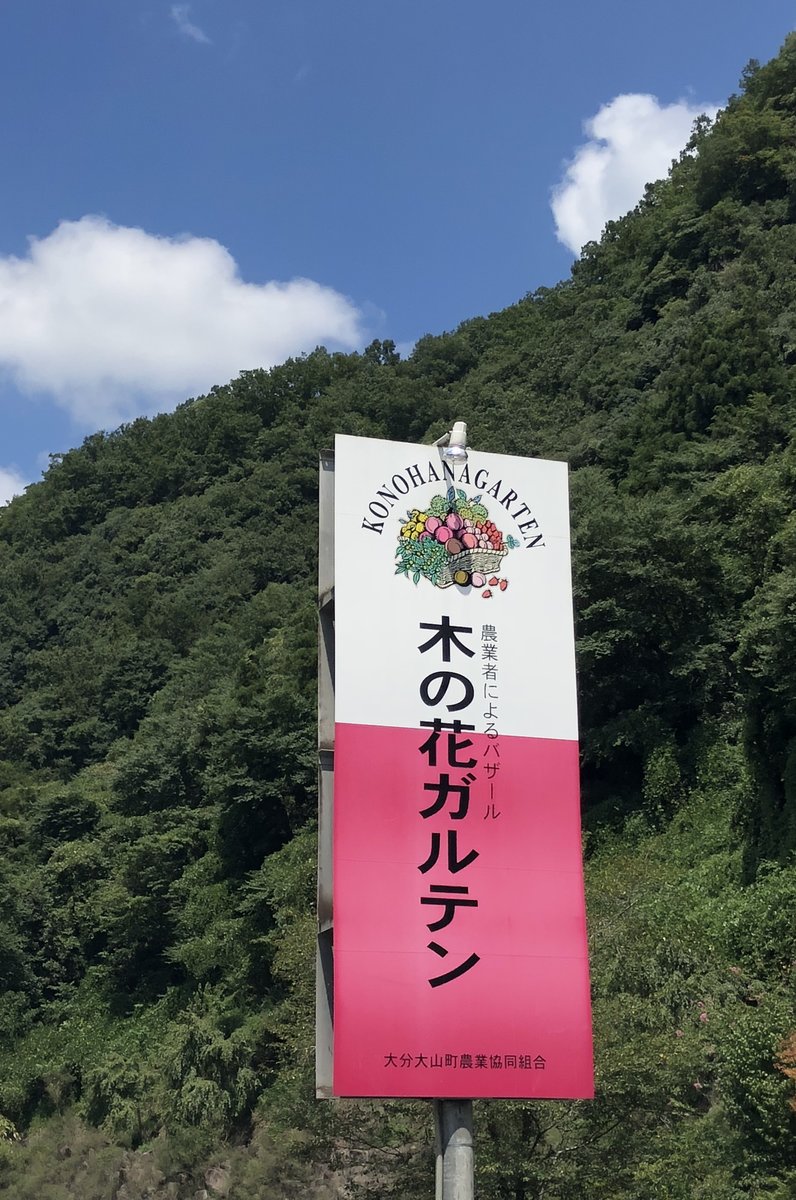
x=632, y=141
x=112, y=321
x=11, y=484
x=181, y=15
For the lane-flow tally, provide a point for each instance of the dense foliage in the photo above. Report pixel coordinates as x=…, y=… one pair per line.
x=157, y=732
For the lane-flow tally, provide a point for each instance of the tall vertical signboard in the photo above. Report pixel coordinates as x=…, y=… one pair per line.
x=460, y=963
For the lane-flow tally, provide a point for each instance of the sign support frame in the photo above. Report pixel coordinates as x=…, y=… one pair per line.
x=324, y=962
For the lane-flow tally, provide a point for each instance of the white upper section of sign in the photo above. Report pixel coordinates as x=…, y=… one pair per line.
x=525, y=685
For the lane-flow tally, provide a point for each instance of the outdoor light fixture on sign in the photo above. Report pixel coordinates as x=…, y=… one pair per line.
x=460, y=965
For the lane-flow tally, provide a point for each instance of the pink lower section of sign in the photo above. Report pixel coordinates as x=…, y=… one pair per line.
x=494, y=1001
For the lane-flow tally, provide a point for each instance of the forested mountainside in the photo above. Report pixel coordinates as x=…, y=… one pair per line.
x=157, y=734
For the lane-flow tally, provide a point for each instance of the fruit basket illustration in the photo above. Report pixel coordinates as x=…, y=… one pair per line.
x=453, y=541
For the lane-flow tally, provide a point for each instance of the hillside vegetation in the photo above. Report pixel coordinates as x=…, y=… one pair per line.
x=157, y=733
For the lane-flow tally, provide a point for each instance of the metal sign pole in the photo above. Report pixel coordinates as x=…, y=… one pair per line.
x=453, y=1119
x=453, y=1122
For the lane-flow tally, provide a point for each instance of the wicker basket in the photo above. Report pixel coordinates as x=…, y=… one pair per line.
x=486, y=562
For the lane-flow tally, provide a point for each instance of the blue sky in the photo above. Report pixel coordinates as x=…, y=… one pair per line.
x=195, y=189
